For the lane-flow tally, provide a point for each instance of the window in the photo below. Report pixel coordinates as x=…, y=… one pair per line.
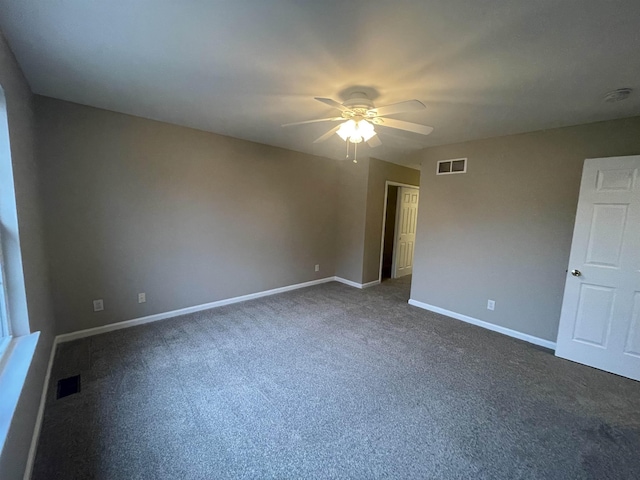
x=5, y=327
x=14, y=315
x=17, y=342
x=5, y=161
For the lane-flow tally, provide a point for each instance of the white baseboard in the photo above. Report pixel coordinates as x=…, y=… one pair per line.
x=489, y=326
x=31, y=458
x=67, y=337
x=348, y=282
x=355, y=284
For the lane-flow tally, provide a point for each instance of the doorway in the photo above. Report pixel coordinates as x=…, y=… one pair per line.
x=398, y=230
x=388, y=233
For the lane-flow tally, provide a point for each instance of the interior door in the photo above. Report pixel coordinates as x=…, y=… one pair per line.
x=600, y=319
x=406, y=220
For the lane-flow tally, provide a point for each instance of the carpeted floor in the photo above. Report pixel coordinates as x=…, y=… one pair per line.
x=332, y=382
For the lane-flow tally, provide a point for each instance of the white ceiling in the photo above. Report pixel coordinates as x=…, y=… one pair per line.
x=242, y=68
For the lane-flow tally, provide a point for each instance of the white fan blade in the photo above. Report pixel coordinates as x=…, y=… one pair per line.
x=333, y=119
x=333, y=103
x=408, y=126
x=374, y=142
x=327, y=135
x=402, y=107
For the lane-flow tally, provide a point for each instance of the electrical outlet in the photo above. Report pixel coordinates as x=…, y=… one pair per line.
x=98, y=305
x=491, y=304
x=317, y=268
x=142, y=297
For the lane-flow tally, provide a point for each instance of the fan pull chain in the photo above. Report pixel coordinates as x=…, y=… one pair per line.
x=347, y=148
x=355, y=153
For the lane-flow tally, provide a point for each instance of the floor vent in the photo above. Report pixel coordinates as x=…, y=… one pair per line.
x=68, y=386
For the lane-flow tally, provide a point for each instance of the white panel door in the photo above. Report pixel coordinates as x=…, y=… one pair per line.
x=406, y=220
x=600, y=319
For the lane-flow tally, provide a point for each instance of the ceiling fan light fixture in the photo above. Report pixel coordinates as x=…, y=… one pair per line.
x=356, y=132
x=365, y=129
x=347, y=129
x=359, y=116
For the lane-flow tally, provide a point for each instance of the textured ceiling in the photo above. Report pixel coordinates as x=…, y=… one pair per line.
x=242, y=68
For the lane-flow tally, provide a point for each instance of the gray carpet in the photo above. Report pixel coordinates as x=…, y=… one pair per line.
x=332, y=382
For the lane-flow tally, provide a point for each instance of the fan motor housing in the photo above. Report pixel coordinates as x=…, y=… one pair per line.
x=359, y=103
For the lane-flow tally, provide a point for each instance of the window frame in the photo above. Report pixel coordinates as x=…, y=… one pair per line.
x=5, y=321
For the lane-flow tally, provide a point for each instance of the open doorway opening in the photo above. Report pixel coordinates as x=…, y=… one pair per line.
x=398, y=230
x=389, y=231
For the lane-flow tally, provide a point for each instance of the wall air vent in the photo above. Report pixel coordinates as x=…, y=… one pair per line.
x=456, y=165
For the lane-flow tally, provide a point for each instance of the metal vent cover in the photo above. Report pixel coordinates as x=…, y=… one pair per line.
x=455, y=165
x=68, y=386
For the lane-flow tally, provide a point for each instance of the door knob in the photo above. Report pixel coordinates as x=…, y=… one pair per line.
x=576, y=273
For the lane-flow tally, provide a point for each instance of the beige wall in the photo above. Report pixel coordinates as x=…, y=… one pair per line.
x=28, y=232
x=379, y=173
x=351, y=218
x=187, y=217
x=503, y=230
x=361, y=189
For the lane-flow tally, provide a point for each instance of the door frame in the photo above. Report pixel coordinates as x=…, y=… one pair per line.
x=388, y=183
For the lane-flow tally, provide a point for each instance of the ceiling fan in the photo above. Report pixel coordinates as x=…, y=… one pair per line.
x=359, y=117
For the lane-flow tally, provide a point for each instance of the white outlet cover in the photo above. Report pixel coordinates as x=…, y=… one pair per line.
x=98, y=305
x=142, y=297
x=317, y=268
x=491, y=304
